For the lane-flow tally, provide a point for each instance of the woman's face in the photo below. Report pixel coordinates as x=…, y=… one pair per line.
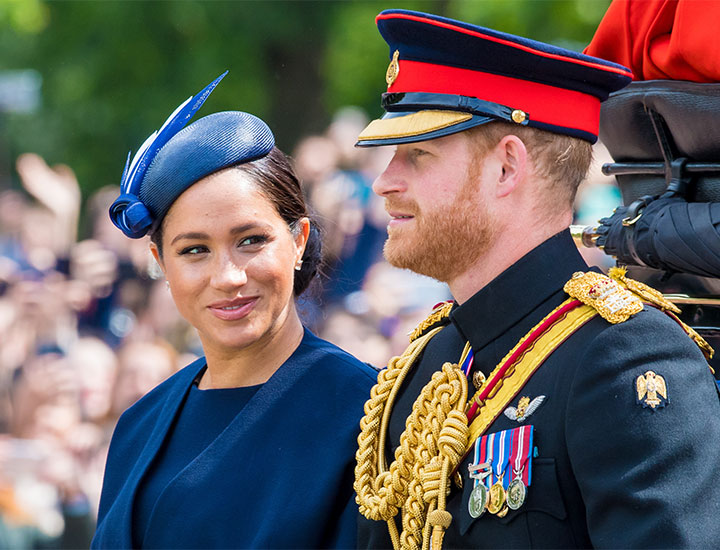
x=229, y=258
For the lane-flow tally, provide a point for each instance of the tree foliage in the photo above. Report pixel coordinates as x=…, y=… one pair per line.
x=113, y=70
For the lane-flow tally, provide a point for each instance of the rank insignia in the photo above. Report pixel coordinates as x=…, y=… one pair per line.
x=524, y=409
x=651, y=390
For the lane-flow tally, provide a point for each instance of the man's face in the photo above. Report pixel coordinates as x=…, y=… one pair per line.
x=433, y=192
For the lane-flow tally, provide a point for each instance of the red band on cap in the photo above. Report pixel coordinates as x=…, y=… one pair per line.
x=504, y=42
x=543, y=103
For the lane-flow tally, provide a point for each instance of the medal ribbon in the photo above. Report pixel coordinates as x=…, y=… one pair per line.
x=480, y=456
x=521, y=451
x=490, y=446
x=501, y=449
x=527, y=437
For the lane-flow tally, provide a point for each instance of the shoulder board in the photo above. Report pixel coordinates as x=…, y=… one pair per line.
x=610, y=299
x=440, y=315
x=644, y=292
x=616, y=298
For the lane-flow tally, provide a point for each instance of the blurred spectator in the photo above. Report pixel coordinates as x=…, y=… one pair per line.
x=142, y=366
x=64, y=306
x=338, y=178
x=597, y=197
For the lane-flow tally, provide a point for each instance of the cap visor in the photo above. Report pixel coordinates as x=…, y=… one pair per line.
x=404, y=127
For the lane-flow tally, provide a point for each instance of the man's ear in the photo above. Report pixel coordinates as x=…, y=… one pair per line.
x=512, y=155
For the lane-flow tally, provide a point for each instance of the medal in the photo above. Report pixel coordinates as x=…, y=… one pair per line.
x=496, y=500
x=477, y=503
x=478, y=500
x=501, y=472
x=516, y=494
x=479, y=495
x=521, y=448
x=500, y=445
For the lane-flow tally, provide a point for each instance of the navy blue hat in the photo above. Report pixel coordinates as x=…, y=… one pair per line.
x=446, y=76
x=173, y=158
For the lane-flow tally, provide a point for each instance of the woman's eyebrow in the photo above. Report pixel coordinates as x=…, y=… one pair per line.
x=244, y=227
x=203, y=236
x=190, y=235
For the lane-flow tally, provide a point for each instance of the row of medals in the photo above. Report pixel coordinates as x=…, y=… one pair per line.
x=496, y=500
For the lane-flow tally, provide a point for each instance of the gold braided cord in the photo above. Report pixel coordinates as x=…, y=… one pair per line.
x=431, y=446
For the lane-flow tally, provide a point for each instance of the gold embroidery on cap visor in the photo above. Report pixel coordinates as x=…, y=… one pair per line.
x=413, y=124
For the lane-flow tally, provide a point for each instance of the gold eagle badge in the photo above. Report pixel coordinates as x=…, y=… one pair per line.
x=651, y=390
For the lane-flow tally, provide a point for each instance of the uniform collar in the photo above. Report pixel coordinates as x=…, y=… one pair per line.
x=518, y=290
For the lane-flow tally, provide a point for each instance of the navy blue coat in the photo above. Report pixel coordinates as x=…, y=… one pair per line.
x=609, y=473
x=280, y=475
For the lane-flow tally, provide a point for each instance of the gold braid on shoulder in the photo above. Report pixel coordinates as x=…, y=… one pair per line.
x=432, y=445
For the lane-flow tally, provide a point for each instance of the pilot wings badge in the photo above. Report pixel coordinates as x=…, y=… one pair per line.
x=524, y=409
x=651, y=390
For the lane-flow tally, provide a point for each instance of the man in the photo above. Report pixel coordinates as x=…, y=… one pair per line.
x=549, y=405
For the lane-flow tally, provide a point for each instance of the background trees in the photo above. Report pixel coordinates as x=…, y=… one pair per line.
x=111, y=71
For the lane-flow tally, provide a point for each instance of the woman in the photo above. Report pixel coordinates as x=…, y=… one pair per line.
x=251, y=446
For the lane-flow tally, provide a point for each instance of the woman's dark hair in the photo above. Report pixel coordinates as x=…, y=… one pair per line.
x=276, y=178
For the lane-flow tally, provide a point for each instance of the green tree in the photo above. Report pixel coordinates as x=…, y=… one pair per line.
x=112, y=71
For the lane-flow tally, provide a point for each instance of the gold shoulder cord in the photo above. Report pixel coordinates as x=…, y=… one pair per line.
x=649, y=294
x=431, y=447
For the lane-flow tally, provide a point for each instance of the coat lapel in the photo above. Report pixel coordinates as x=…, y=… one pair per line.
x=175, y=398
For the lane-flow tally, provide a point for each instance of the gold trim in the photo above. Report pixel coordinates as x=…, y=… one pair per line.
x=436, y=315
x=414, y=124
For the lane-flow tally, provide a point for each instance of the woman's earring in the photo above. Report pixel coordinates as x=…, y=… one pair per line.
x=167, y=284
x=298, y=265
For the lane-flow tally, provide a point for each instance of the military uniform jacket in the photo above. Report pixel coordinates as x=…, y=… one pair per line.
x=279, y=476
x=609, y=473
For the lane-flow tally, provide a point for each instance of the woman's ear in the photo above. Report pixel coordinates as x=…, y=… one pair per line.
x=512, y=154
x=156, y=254
x=302, y=233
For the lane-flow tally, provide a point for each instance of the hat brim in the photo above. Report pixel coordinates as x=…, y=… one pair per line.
x=409, y=127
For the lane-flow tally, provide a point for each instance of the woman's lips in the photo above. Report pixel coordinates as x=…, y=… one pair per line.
x=232, y=310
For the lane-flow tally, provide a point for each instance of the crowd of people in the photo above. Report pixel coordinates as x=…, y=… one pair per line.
x=88, y=325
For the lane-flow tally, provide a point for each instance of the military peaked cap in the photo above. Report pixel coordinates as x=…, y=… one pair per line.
x=446, y=76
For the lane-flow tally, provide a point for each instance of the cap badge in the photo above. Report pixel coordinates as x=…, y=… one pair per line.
x=524, y=409
x=651, y=390
x=518, y=116
x=393, y=69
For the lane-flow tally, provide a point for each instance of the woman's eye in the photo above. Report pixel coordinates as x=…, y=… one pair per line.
x=193, y=250
x=254, y=240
